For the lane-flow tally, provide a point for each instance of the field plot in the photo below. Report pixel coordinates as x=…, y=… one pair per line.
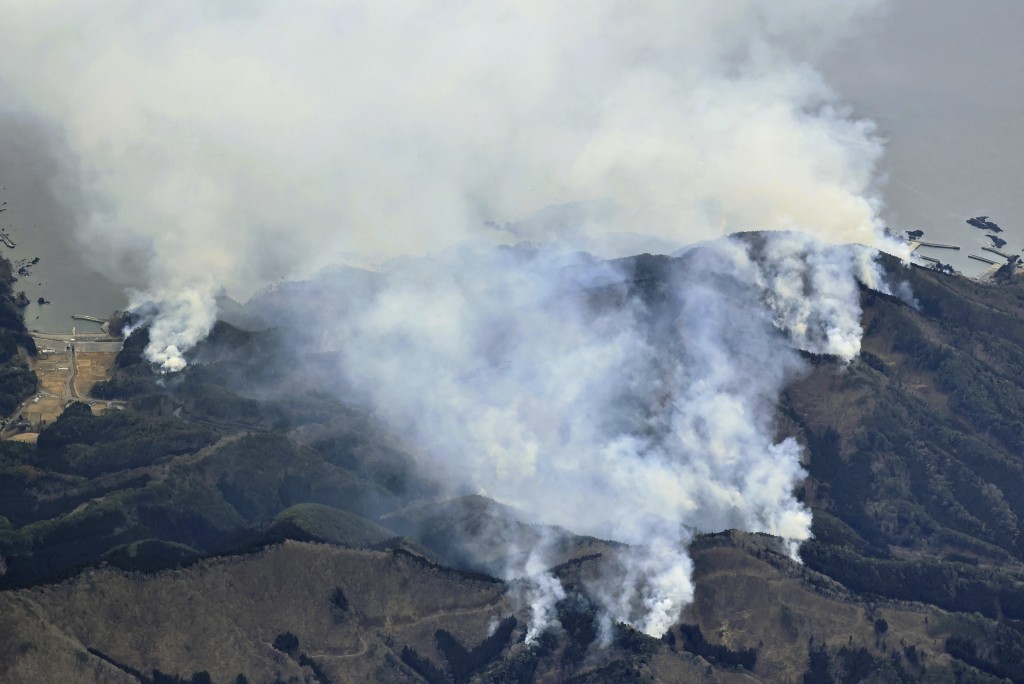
x=61, y=379
x=90, y=368
x=54, y=374
x=53, y=371
x=25, y=437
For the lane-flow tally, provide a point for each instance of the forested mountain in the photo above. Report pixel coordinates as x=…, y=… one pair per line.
x=16, y=380
x=242, y=521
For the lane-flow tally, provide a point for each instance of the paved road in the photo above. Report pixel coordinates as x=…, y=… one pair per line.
x=84, y=343
x=69, y=385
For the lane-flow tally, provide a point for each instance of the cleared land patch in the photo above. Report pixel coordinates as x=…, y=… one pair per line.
x=62, y=378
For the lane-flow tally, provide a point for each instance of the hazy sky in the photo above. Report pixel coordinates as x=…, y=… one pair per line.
x=944, y=81
x=940, y=79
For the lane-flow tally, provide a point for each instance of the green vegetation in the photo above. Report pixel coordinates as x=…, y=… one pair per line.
x=83, y=444
x=146, y=493
x=849, y=666
x=430, y=672
x=316, y=522
x=921, y=449
x=17, y=382
x=463, y=663
x=952, y=586
x=287, y=642
x=691, y=639
x=149, y=555
x=916, y=483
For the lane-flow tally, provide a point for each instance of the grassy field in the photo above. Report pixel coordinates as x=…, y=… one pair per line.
x=354, y=611
x=92, y=367
x=57, y=387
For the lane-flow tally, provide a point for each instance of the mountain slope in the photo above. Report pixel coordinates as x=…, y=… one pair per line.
x=915, y=450
x=358, y=615
x=915, y=454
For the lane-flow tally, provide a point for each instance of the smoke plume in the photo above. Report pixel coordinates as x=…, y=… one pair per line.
x=227, y=147
x=631, y=400
x=230, y=146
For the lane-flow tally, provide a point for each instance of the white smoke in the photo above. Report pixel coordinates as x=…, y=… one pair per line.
x=228, y=146
x=648, y=590
x=248, y=143
x=604, y=409
x=177, y=319
x=542, y=592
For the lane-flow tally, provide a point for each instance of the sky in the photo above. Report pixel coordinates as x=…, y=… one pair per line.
x=939, y=79
x=42, y=206
x=943, y=82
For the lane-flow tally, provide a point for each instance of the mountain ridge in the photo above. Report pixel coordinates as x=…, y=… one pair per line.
x=915, y=478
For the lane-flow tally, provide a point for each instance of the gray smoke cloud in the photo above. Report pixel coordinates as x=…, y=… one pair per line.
x=573, y=393
x=229, y=146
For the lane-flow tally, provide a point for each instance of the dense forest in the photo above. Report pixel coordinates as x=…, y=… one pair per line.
x=16, y=380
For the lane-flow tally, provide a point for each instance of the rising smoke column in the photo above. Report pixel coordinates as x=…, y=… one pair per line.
x=640, y=413
x=229, y=146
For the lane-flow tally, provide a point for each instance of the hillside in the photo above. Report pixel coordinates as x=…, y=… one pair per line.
x=16, y=380
x=915, y=450
x=382, y=616
x=234, y=499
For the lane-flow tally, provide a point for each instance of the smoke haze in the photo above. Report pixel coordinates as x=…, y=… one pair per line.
x=632, y=401
x=228, y=147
